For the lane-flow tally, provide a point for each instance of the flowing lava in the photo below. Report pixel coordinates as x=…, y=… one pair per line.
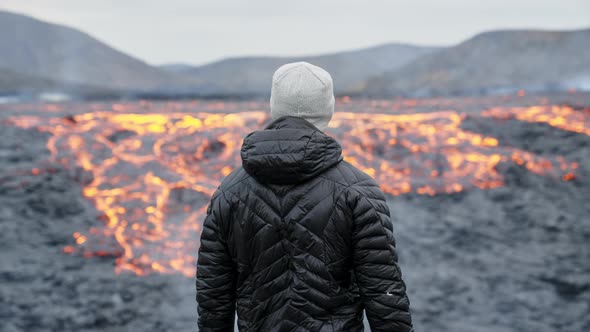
x=562, y=117
x=151, y=172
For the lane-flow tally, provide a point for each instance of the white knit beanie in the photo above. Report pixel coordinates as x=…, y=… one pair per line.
x=303, y=90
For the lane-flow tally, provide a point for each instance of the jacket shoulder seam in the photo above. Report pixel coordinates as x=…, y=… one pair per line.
x=226, y=189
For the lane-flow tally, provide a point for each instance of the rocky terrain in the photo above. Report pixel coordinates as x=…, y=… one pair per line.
x=512, y=258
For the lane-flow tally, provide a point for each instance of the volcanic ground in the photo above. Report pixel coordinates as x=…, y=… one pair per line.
x=101, y=206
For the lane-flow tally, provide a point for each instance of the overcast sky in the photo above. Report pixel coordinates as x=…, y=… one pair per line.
x=199, y=31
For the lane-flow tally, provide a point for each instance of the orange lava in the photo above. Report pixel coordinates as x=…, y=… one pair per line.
x=562, y=117
x=152, y=171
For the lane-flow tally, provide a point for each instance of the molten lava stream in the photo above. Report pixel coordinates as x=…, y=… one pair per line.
x=562, y=117
x=151, y=174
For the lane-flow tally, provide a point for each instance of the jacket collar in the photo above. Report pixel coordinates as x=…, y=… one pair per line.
x=288, y=121
x=289, y=150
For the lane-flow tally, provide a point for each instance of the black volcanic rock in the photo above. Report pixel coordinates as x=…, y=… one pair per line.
x=540, y=138
x=513, y=258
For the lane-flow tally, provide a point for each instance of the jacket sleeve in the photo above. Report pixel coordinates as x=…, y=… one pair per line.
x=379, y=278
x=215, y=272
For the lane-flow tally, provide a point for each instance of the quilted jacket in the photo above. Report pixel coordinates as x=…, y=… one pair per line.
x=297, y=239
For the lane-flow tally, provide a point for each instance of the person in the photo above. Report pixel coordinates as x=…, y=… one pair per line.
x=298, y=239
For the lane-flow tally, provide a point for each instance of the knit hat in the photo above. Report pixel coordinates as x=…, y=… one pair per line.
x=303, y=90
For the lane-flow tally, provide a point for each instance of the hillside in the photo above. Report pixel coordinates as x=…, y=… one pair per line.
x=252, y=75
x=494, y=62
x=40, y=54
x=63, y=54
x=27, y=86
x=12, y=82
x=36, y=55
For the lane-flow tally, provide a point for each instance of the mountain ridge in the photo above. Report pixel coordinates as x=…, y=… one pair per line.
x=60, y=53
x=36, y=55
x=253, y=74
x=501, y=60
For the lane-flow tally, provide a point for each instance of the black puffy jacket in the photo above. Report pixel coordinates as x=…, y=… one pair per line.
x=298, y=240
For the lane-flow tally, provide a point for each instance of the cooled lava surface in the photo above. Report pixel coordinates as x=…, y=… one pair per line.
x=488, y=199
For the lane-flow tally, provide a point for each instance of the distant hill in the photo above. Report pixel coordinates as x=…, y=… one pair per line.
x=37, y=56
x=13, y=83
x=252, y=75
x=493, y=61
x=176, y=67
x=63, y=54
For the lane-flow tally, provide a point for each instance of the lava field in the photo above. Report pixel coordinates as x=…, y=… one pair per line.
x=101, y=206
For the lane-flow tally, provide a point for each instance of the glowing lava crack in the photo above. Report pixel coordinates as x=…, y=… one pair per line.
x=152, y=173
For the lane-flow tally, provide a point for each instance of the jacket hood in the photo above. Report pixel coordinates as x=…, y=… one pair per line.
x=289, y=150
